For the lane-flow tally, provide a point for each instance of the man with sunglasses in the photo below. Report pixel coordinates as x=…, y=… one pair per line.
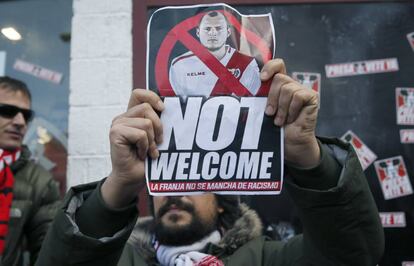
x=28, y=194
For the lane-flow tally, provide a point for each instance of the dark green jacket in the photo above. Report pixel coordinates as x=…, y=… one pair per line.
x=35, y=199
x=341, y=224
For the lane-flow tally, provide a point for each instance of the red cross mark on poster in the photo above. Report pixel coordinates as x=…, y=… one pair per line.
x=180, y=33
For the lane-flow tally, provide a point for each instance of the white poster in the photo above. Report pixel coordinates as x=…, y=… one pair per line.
x=216, y=136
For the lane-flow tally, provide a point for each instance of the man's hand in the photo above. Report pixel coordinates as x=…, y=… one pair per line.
x=296, y=108
x=133, y=135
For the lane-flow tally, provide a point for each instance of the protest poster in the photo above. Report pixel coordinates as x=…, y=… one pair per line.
x=204, y=61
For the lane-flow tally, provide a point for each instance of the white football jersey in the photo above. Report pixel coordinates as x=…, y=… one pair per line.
x=190, y=76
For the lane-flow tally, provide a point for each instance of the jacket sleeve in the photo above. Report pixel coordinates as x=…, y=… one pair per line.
x=98, y=240
x=46, y=200
x=340, y=220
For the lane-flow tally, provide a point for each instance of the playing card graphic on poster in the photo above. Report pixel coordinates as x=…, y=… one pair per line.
x=393, y=177
x=365, y=155
x=204, y=61
x=405, y=105
x=309, y=80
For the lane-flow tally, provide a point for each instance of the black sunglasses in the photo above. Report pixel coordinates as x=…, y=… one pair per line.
x=10, y=111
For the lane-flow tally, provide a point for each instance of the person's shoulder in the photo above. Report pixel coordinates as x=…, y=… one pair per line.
x=242, y=56
x=184, y=58
x=35, y=174
x=141, y=239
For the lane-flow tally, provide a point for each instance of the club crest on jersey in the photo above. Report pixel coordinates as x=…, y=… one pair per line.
x=236, y=72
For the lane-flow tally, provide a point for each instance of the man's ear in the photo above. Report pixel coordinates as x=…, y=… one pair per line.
x=228, y=32
x=198, y=32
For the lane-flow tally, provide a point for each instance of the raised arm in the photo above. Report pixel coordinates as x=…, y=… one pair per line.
x=295, y=108
x=340, y=220
x=133, y=135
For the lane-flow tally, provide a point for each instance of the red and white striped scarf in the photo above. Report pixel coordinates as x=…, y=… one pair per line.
x=189, y=255
x=6, y=192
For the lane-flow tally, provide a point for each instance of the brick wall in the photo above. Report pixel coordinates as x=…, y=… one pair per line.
x=100, y=83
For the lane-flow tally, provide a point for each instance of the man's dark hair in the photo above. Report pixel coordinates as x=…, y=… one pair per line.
x=231, y=210
x=15, y=85
x=213, y=14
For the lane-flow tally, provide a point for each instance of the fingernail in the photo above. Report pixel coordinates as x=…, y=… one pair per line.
x=279, y=121
x=269, y=110
x=160, y=105
x=264, y=75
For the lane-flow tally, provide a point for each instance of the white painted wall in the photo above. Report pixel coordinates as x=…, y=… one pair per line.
x=100, y=83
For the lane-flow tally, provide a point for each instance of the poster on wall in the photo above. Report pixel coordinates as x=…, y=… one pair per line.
x=38, y=71
x=205, y=62
x=393, y=219
x=2, y=63
x=405, y=105
x=361, y=67
x=365, y=155
x=393, y=177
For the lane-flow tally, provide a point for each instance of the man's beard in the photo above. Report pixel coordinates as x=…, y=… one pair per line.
x=182, y=235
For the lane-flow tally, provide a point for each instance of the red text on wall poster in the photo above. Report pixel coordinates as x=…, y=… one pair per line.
x=407, y=136
x=38, y=71
x=365, y=155
x=361, y=67
x=205, y=61
x=393, y=177
x=410, y=38
x=405, y=105
x=392, y=219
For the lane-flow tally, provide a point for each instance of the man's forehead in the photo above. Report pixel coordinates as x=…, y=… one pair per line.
x=8, y=96
x=213, y=21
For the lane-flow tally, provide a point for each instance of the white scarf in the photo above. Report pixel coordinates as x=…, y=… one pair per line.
x=189, y=255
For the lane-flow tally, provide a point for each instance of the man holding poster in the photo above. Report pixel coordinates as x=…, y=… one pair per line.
x=341, y=223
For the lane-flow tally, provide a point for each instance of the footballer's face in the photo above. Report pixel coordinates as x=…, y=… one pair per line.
x=213, y=32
